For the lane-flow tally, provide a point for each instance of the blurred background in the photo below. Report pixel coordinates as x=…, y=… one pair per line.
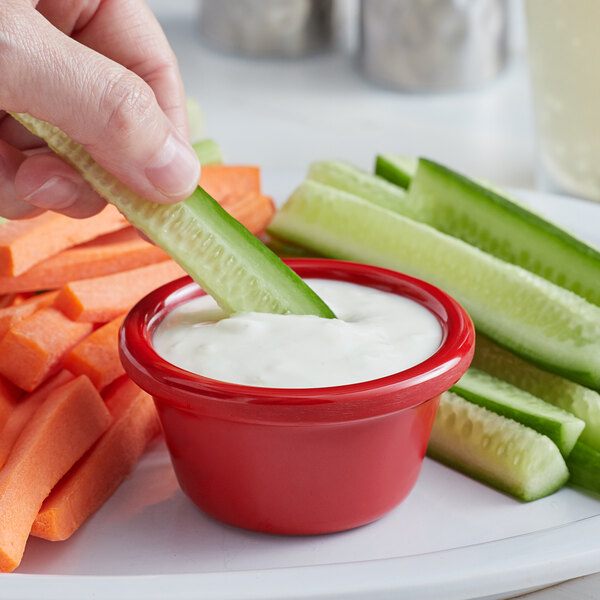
x=445, y=79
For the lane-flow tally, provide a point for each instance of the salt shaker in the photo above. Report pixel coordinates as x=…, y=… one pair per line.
x=432, y=45
x=266, y=28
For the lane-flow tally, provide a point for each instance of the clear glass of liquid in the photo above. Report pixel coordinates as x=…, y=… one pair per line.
x=564, y=60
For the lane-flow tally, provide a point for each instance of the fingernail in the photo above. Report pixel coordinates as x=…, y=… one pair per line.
x=56, y=193
x=175, y=169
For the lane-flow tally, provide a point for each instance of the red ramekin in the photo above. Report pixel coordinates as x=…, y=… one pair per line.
x=299, y=461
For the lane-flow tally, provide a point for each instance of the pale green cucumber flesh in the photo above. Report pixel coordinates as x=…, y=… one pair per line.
x=584, y=466
x=568, y=395
x=230, y=263
x=208, y=152
x=495, y=450
x=347, y=177
x=534, y=318
x=195, y=119
x=491, y=221
x=396, y=169
x=501, y=397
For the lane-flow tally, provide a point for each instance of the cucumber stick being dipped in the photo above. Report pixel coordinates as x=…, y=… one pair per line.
x=489, y=218
x=562, y=427
x=495, y=450
x=221, y=255
x=534, y=318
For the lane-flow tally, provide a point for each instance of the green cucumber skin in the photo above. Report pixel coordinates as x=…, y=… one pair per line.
x=584, y=466
x=568, y=395
x=346, y=177
x=460, y=207
x=500, y=397
x=495, y=450
x=208, y=152
x=206, y=241
x=396, y=169
x=544, y=323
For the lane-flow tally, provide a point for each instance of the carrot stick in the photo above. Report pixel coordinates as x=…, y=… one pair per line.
x=11, y=315
x=252, y=209
x=63, y=428
x=27, y=242
x=22, y=412
x=95, y=477
x=112, y=253
x=6, y=300
x=34, y=348
x=220, y=180
x=97, y=356
x=9, y=394
x=105, y=298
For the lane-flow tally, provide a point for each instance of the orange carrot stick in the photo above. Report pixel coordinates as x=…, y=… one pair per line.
x=220, y=180
x=95, y=477
x=252, y=209
x=34, y=348
x=27, y=242
x=23, y=411
x=112, y=253
x=97, y=356
x=11, y=315
x=6, y=300
x=105, y=298
x=63, y=428
x=9, y=394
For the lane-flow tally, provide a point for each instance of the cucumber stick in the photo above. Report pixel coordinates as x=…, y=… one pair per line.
x=208, y=152
x=495, y=450
x=396, y=169
x=540, y=321
x=221, y=255
x=493, y=222
x=346, y=177
x=568, y=395
x=476, y=212
x=584, y=466
x=562, y=427
x=195, y=119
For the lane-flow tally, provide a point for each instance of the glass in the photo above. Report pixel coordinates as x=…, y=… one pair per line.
x=564, y=60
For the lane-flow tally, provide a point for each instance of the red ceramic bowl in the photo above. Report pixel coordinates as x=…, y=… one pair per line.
x=299, y=461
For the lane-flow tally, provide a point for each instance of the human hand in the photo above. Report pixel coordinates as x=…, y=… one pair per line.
x=103, y=72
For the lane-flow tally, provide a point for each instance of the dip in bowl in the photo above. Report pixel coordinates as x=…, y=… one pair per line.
x=299, y=460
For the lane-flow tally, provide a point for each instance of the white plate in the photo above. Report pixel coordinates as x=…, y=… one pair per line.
x=452, y=538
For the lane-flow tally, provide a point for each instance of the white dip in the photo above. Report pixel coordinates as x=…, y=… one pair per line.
x=376, y=334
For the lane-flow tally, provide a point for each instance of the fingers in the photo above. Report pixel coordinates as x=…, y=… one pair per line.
x=16, y=135
x=30, y=184
x=127, y=32
x=112, y=112
x=47, y=182
x=11, y=206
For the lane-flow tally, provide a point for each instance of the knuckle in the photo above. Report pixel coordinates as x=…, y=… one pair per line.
x=127, y=103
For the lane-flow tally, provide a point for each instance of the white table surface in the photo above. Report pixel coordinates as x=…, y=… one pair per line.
x=283, y=114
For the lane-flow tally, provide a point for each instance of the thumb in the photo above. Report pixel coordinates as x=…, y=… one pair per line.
x=108, y=109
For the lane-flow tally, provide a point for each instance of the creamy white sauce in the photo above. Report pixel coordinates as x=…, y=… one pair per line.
x=376, y=334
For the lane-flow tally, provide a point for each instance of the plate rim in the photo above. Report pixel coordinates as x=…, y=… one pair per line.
x=562, y=552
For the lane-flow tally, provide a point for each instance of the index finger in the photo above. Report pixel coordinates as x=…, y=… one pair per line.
x=127, y=32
